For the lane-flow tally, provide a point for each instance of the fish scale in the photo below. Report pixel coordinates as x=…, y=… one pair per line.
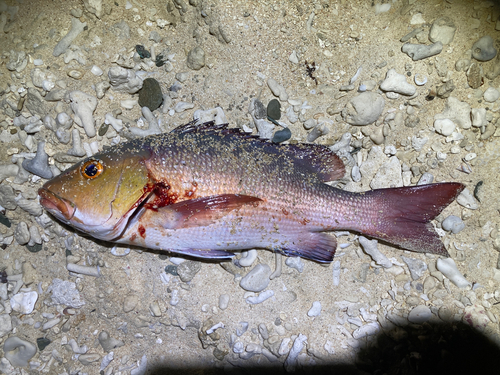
x=208, y=190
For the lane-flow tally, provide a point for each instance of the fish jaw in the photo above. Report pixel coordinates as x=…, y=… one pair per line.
x=61, y=208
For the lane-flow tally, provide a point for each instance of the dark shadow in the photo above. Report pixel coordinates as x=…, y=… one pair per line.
x=427, y=349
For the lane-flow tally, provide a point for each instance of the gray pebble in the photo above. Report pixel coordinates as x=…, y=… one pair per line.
x=258, y=109
x=419, y=314
x=18, y=351
x=417, y=267
x=130, y=302
x=39, y=165
x=223, y=301
x=483, y=49
x=419, y=51
x=491, y=94
x=295, y=262
x=282, y=135
x=274, y=109
x=363, y=109
x=22, y=234
x=466, y=200
x=425, y=179
x=150, y=94
x=257, y=279
x=109, y=343
x=263, y=331
x=196, y=58
x=442, y=30
x=315, y=310
x=87, y=359
x=188, y=269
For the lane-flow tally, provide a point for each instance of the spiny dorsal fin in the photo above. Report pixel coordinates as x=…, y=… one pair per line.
x=311, y=158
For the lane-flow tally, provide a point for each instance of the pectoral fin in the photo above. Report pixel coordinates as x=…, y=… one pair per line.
x=197, y=212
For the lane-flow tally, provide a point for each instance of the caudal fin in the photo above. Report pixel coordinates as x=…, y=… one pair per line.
x=404, y=215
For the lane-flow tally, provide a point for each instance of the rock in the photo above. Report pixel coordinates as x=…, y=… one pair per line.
x=444, y=91
x=150, y=94
x=18, y=351
x=130, y=302
x=457, y=111
x=315, y=310
x=475, y=75
x=282, y=135
x=84, y=105
x=22, y=234
x=419, y=51
x=363, y=109
x=388, y=175
x=223, y=301
x=273, y=109
x=396, y=82
x=76, y=28
x=449, y=269
x=124, y=80
x=108, y=343
x=258, y=109
x=417, y=267
x=5, y=323
x=444, y=126
x=466, y=199
x=257, y=279
x=483, y=49
x=478, y=116
x=491, y=94
x=453, y=224
x=24, y=302
x=188, y=269
x=39, y=165
x=196, y=58
x=65, y=293
x=277, y=89
x=442, y=30
x=419, y=314
x=295, y=262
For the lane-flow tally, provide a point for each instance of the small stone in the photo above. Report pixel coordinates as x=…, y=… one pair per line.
x=188, y=269
x=39, y=165
x=282, y=135
x=273, y=109
x=130, y=302
x=315, y=310
x=24, y=302
x=42, y=343
x=444, y=126
x=453, y=224
x=171, y=269
x=491, y=94
x=417, y=267
x=277, y=89
x=466, y=199
x=363, y=109
x=442, y=30
x=143, y=52
x=259, y=110
x=419, y=51
x=419, y=314
x=295, y=262
x=483, y=49
x=257, y=279
x=475, y=76
x=449, y=269
x=395, y=82
x=18, y=351
x=108, y=343
x=150, y=94
x=87, y=359
x=223, y=301
x=196, y=58
x=22, y=234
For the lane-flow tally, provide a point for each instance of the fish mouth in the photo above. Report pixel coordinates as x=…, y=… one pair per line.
x=57, y=206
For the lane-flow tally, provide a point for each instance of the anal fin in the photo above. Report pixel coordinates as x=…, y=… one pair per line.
x=316, y=246
x=204, y=253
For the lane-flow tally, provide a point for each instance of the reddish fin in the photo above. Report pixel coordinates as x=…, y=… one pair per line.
x=196, y=212
x=319, y=247
x=405, y=215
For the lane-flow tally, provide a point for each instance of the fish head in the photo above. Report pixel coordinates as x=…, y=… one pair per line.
x=99, y=194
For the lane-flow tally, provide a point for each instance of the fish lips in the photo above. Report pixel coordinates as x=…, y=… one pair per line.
x=61, y=208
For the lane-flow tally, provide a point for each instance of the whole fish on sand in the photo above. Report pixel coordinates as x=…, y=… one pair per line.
x=208, y=190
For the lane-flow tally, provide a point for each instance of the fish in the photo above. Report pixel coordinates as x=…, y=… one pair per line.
x=208, y=191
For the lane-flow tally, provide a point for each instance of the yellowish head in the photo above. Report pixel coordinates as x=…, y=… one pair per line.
x=98, y=195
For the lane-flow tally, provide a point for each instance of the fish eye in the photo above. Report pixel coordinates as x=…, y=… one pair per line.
x=91, y=169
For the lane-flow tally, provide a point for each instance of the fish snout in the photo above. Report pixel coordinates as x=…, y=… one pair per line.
x=59, y=207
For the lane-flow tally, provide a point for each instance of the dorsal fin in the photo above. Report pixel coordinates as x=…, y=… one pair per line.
x=312, y=158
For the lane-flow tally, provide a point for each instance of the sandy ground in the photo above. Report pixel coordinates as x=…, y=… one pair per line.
x=342, y=37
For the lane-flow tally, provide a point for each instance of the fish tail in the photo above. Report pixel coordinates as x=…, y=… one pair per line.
x=404, y=214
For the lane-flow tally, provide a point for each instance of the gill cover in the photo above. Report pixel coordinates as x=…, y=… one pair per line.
x=101, y=192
